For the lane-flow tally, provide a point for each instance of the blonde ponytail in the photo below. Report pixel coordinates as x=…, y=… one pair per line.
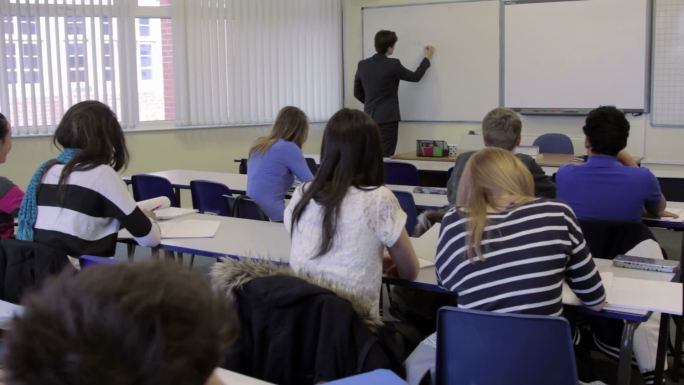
x=489, y=175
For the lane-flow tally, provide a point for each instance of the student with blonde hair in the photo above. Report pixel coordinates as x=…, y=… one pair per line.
x=501, y=249
x=274, y=161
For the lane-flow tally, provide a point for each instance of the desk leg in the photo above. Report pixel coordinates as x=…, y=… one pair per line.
x=676, y=365
x=177, y=191
x=625, y=365
x=663, y=333
x=130, y=248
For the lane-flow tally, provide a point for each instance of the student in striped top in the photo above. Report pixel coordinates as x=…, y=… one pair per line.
x=77, y=202
x=503, y=250
x=10, y=193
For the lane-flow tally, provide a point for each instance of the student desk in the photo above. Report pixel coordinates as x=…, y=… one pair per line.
x=180, y=179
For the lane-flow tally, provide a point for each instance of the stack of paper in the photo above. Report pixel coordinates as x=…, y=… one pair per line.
x=161, y=206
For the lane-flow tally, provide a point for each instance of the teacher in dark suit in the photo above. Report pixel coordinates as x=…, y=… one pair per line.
x=376, y=85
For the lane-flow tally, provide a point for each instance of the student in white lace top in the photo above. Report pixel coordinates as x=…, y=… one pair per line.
x=341, y=222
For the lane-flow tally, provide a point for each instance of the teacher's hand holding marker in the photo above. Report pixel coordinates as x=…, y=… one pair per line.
x=428, y=51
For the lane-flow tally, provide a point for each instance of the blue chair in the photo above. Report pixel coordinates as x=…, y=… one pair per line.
x=409, y=206
x=401, y=173
x=92, y=260
x=478, y=347
x=312, y=165
x=554, y=143
x=244, y=207
x=208, y=197
x=152, y=186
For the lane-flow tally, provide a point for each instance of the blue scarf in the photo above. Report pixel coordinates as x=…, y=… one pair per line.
x=28, y=211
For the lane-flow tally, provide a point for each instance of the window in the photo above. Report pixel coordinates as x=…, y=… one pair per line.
x=233, y=62
x=144, y=26
x=30, y=60
x=146, y=61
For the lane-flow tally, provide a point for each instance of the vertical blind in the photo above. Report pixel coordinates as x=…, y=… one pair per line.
x=248, y=58
x=234, y=61
x=56, y=54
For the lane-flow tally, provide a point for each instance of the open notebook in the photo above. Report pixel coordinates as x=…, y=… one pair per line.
x=161, y=206
x=635, y=294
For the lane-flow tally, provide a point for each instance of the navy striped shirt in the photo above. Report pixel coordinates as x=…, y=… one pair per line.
x=529, y=251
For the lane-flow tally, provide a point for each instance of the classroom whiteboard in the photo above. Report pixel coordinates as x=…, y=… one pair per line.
x=576, y=54
x=462, y=83
x=668, y=64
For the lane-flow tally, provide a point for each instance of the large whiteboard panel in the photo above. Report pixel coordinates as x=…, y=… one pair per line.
x=576, y=54
x=463, y=82
x=668, y=64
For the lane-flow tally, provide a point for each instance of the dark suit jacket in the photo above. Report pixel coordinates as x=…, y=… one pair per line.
x=376, y=85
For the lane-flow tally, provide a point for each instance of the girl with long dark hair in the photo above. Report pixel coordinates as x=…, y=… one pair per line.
x=77, y=202
x=341, y=222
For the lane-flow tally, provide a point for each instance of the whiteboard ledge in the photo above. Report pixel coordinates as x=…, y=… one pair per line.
x=565, y=111
x=441, y=121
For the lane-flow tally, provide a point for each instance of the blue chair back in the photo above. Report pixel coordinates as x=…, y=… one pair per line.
x=554, y=143
x=401, y=173
x=91, y=260
x=477, y=347
x=409, y=206
x=152, y=186
x=313, y=166
x=208, y=197
x=244, y=207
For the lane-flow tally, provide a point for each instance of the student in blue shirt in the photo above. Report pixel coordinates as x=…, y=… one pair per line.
x=275, y=160
x=609, y=186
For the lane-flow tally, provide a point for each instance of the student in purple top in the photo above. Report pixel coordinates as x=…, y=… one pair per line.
x=610, y=185
x=275, y=160
x=10, y=194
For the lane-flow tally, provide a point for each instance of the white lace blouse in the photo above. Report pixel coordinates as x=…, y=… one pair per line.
x=369, y=221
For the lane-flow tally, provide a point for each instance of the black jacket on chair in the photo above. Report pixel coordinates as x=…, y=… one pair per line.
x=607, y=239
x=25, y=265
x=296, y=332
x=376, y=85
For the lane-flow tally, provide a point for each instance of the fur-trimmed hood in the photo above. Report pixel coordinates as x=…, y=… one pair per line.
x=230, y=275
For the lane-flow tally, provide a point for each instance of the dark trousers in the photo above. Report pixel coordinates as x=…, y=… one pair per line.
x=388, y=137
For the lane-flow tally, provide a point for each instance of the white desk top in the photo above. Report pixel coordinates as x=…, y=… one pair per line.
x=263, y=240
x=232, y=378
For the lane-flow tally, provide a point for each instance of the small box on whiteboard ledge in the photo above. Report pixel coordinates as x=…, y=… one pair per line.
x=643, y=263
x=432, y=148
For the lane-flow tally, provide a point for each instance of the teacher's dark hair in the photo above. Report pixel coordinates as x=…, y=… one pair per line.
x=351, y=155
x=91, y=127
x=385, y=40
x=4, y=127
x=607, y=130
x=141, y=323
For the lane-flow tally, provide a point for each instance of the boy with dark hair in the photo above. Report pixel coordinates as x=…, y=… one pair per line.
x=145, y=323
x=609, y=186
x=376, y=85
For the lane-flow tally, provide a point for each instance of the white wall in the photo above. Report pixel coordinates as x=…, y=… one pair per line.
x=660, y=144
